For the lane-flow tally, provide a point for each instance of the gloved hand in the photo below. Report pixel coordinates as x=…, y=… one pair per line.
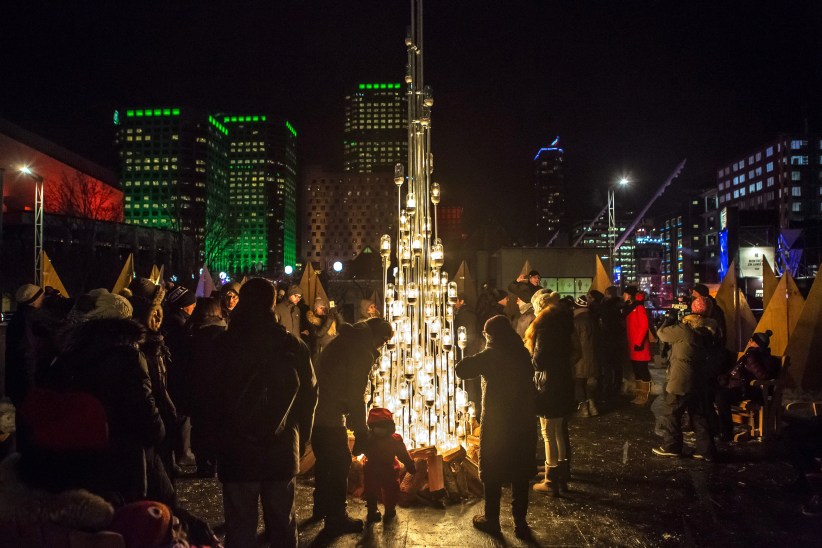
x=639, y=347
x=411, y=469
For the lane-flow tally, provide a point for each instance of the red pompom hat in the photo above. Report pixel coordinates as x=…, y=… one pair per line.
x=379, y=414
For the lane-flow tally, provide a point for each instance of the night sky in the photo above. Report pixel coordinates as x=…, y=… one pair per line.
x=630, y=87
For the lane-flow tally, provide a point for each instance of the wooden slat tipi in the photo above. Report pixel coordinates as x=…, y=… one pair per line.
x=739, y=319
x=126, y=275
x=805, y=344
x=601, y=280
x=466, y=284
x=782, y=314
x=769, y=282
x=48, y=275
x=311, y=286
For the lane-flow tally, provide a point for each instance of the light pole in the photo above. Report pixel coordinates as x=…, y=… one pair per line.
x=612, y=228
x=38, y=220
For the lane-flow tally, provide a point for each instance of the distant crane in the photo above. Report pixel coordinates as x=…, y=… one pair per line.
x=628, y=231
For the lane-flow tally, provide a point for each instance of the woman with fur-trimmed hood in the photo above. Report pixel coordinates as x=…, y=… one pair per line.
x=323, y=322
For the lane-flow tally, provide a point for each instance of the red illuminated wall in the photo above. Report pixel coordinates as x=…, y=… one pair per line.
x=67, y=189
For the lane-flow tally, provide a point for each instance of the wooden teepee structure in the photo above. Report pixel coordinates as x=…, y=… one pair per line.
x=601, y=280
x=126, y=275
x=739, y=319
x=466, y=284
x=805, y=344
x=526, y=268
x=205, y=285
x=769, y=282
x=49, y=277
x=782, y=314
x=311, y=285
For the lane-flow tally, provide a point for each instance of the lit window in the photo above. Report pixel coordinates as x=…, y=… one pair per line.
x=796, y=176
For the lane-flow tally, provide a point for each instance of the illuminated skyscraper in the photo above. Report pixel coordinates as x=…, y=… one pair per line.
x=549, y=192
x=262, y=192
x=376, y=129
x=164, y=154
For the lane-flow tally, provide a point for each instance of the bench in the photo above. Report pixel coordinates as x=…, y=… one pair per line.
x=761, y=419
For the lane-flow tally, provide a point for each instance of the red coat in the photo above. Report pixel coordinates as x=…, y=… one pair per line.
x=636, y=323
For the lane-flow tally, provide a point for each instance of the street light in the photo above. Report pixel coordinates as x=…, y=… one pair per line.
x=612, y=228
x=38, y=220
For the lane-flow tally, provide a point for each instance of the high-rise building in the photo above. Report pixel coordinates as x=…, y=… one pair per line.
x=549, y=192
x=597, y=236
x=783, y=174
x=376, y=128
x=343, y=213
x=164, y=154
x=262, y=192
x=228, y=181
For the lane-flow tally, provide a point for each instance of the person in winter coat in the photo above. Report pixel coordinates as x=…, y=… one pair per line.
x=101, y=357
x=267, y=393
x=464, y=316
x=20, y=353
x=639, y=347
x=230, y=298
x=714, y=311
x=491, y=302
x=289, y=312
x=687, y=385
x=368, y=309
x=611, y=343
x=507, y=443
x=585, y=370
x=755, y=364
x=342, y=377
x=550, y=341
x=525, y=286
x=382, y=450
x=322, y=326
x=146, y=300
x=525, y=315
x=200, y=376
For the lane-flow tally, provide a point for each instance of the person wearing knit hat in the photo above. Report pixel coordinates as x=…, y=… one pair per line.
x=638, y=343
x=543, y=299
x=322, y=321
x=230, y=297
x=507, y=427
x=382, y=449
x=108, y=305
x=762, y=340
x=266, y=380
x=525, y=286
x=291, y=314
x=700, y=290
x=343, y=371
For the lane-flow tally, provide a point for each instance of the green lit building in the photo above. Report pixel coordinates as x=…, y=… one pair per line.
x=262, y=193
x=228, y=181
x=376, y=128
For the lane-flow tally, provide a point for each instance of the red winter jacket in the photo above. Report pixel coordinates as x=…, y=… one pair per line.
x=636, y=323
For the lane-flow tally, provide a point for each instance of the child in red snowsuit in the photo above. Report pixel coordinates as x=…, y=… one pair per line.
x=382, y=449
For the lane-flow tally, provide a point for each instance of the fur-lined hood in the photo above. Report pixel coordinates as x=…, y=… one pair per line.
x=24, y=505
x=104, y=334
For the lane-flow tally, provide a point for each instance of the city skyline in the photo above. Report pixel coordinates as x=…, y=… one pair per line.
x=630, y=89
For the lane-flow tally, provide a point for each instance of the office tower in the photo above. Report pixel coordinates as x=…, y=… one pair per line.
x=376, y=128
x=596, y=236
x=345, y=213
x=262, y=192
x=783, y=174
x=549, y=192
x=164, y=154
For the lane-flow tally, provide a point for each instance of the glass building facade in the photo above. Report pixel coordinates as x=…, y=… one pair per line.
x=375, y=136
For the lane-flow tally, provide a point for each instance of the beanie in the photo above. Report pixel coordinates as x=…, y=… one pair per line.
x=231, y=286
x=319, y=301
x=631, y=290
x=180, y=297
x=27, y=293
x=762, y=339
x=533, y=273
x=294, y=290
x=108, y=306
x=544, y=298
x=699, y=306
x=381, y=330
x=145, y=523
x=581, y=302
x=143, y=288
x=257, y=294
x=496, y=326
x=379, y=414
x=702, y=290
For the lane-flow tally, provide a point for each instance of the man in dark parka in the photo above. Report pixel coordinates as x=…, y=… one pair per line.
x=342, y=376
x=268, y=392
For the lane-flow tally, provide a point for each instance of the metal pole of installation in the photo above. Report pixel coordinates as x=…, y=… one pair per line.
x=612, y=231
x=38, y=228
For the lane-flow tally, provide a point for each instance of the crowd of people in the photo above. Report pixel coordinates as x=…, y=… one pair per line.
x=115, y=393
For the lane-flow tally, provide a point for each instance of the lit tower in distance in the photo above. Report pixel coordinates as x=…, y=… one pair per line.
x=375, y=136
x=414, y=377
x=549, y=191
